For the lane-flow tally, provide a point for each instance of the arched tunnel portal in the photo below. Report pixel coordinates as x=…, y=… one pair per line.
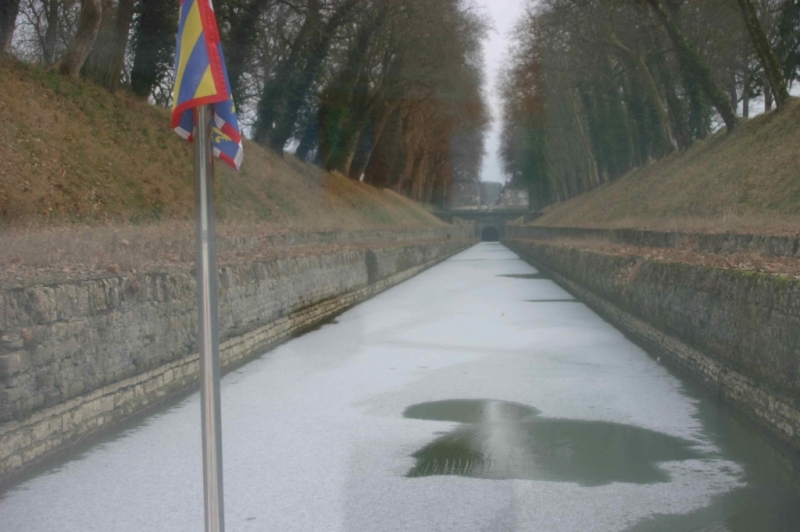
x=490, y=234
x=490, y=225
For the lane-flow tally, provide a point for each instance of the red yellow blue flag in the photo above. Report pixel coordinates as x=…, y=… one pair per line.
x=201, y=78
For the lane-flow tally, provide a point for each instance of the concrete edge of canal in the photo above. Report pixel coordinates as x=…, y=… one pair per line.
x=736, y=331
x=78, y=358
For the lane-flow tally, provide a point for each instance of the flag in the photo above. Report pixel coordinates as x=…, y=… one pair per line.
x=201, y=78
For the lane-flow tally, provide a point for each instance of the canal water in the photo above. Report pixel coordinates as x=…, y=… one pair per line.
x=478, y=396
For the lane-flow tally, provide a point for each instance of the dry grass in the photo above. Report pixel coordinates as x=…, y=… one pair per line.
x=745, y=182
x=124, y=247
x=690, y=254
x=73, y=153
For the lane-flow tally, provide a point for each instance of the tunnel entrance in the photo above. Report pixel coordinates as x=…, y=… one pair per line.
x=490, y=234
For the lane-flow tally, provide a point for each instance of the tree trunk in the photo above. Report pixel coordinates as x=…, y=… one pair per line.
x=272, y=103
x=310, y=138
x=154, y=44
x=346, y=104
x=276, y=132
x=364, y=147
x=96, y=65
x=772, y=68
x=239, y=45
x=123, y=31
x=746, y=82
x=350, y=103
x=734, y=96
x=698, y=116
x=746, y=95
x=419, y=177
x=351, y=144
x=636, y=59
x=49, y=48
x=693, y=66
x=677, y=111
x=411, y=140
x=9, y=9
x=359, y=166
x=387, y=153
x=88, y=25
x=788, y=46
x=106, y=59
x=434, y=177
x=594, y=175
x=354, y=127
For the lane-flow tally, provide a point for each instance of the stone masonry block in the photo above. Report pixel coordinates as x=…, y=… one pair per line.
x=12, y=341
x=9, y=365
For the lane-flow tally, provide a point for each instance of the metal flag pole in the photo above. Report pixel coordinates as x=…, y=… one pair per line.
x=208, y=322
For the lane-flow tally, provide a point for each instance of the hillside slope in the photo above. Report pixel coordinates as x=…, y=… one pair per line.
x=748, y=181
x=72, y=152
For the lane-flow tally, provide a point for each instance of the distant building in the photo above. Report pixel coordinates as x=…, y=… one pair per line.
x=514, y=198
x=465, y=196
x=487, y=195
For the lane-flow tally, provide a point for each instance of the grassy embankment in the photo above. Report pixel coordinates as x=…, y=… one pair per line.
x=748, y=181
x=72, y=152
x=92, y=180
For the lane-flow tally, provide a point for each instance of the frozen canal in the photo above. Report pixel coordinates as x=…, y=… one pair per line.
x=477, y=396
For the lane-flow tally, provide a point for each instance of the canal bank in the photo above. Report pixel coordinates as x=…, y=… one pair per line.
x=736, y=331
x=79, y=356
x=477, y=396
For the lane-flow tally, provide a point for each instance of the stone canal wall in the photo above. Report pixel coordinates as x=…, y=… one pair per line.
x=737, y=331
x=77, y=357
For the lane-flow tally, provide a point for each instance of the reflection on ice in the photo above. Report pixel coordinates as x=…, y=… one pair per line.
x=502, y=440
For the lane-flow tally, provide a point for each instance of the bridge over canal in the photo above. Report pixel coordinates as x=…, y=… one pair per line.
x=490, y=224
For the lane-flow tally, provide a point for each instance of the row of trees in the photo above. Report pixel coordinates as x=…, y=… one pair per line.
x=388, y=91
x=594, y=88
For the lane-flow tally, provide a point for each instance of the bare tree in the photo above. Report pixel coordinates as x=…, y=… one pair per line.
x=769, y=62
x=8, y=20
x=51, y=34
x=105, y=60
x=89, y=21
x=694, y=67
x=594, y=88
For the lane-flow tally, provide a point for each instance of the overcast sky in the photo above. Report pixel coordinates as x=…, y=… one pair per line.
x=504, y=14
